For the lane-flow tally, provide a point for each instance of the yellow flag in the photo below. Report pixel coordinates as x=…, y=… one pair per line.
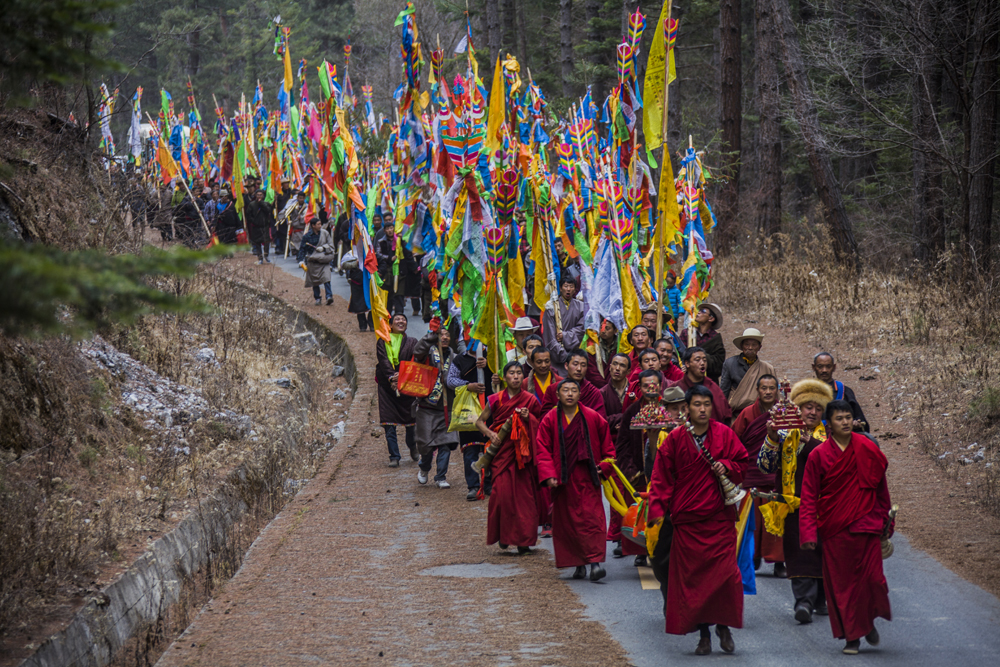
x=288, y=68
x=498, y=106
x=652, y=110
x=515, y=283
x=541, y=272
x=380, y=313
x=668, y=213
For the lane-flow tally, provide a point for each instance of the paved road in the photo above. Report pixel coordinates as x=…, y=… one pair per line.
x=938, y=619
x=417, y=327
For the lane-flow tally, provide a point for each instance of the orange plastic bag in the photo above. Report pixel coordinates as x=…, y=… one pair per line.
x=416, y=379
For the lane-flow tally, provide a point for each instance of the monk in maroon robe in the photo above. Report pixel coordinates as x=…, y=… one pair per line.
x=695, y=366
x=845, y=506
x=613, y=393
x=541, y=376
x=704, y=582
x=576, y=369
x=513, y=509
x=573, y=442
x=751, y=429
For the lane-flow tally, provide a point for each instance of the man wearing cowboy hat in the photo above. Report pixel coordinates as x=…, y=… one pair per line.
x=741, y=372
x=708, y=321
x=522, y=329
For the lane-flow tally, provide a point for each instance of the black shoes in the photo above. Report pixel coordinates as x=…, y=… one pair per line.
x=640, y=561
x=597, y=572
x=704, y=645
x=329, y=300
x=580, y=572
x=473, y=494
x=872, y=638
x=803, y=614
x=617, y=553
x=779, y=571
x=523, y=550
x=852, y=647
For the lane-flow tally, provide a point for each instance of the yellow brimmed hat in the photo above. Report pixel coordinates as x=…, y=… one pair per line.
x=811, y=391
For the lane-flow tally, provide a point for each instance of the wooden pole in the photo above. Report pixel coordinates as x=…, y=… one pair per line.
x=661, y=251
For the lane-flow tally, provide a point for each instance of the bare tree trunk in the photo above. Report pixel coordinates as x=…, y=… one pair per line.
x=566, y=45
x=675, y=109
x=731, y=118
x=509, y=34
x=767, y=198
x=983, y=134
x=844, y=243
x=493, y=29
x=522, y=31
x=928, y=203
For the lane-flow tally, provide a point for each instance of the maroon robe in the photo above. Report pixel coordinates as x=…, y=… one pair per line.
x=721, y=412
x=845, y=505
x=767, y=546
x=704, y=584
x=630, y=456
x=578, y=521
x=531, y=385
x=514, y=501
x=589, y=397
x=613, y=407
x=594, y=373
x=747, y=415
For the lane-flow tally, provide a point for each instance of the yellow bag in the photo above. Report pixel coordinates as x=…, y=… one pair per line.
x=465, y=410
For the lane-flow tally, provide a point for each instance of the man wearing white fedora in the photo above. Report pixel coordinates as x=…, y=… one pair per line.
x=521, y=330
x=741, y=372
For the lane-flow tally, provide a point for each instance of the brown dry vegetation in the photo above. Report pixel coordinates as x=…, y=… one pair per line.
x=85, y=485
x=930, y=339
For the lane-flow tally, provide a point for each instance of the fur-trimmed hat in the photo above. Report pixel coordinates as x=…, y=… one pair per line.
x=811, y=390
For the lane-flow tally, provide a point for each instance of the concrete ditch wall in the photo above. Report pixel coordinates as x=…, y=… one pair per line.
x=154, y=583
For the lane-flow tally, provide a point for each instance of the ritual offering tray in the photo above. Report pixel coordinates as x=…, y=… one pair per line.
x=651, y=416
x=785, y=415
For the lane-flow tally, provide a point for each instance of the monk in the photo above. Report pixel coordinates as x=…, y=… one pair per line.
x=767, y=396
x=576, y=369
x=541, y=375
x=615, y=394
x=783, y=455
x=845, y=506
x=573, y=442
x=639, y=339
x=704, y=583
x=695, y=365
x=665, y=349
x=599, y=361
x=512, y=518
x=648, y=360
x=751, y=428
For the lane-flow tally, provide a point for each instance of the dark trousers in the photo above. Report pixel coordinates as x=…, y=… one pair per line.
x=443, y=458
x=327, y=287
x=280, y=236
x=471, y=454
x=809, y=591
x=390, y=440
x=660, y=561
x=365, y=321
x=262, y=249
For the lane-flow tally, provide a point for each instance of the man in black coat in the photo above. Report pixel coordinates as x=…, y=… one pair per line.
x=260, y=222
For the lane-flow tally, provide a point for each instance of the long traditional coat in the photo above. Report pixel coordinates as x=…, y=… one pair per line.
x=393, y=410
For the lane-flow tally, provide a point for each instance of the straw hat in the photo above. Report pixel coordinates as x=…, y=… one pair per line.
x=748, y=334
x=715, y=311
x=524, y=324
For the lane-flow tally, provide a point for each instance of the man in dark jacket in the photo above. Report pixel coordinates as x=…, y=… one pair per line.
x=708, y=321
x=260, y=222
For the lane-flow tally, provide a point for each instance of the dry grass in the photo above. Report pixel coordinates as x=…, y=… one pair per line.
x=84, y=484
x=931, y=340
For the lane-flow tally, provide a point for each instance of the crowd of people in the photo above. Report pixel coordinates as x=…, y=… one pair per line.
x=558, y=418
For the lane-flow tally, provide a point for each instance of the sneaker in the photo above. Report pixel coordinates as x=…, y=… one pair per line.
x=444, y=485
x=329, y=300
x=267, y=259
x=473, y=494
x=421, y=476
x=547, y=530
x=852, y=647
x=393, y=463
x=317, y=302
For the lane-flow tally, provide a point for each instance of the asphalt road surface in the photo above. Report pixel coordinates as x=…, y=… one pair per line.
x=938, y=619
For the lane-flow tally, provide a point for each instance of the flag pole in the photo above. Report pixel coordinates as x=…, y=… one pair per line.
x=661, y=251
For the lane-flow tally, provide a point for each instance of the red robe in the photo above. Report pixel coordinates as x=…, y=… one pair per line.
x=845, y=504
x=704, y=581
x=629, y=453
x=767, y=546
x=747, y=415
x=721, y=412
x=578, y=521
x=590, y=397
x=531, y=384
x=514, y=502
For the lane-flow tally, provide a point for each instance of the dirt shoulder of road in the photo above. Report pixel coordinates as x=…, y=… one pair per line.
x=345, y=574
x=939, y=511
